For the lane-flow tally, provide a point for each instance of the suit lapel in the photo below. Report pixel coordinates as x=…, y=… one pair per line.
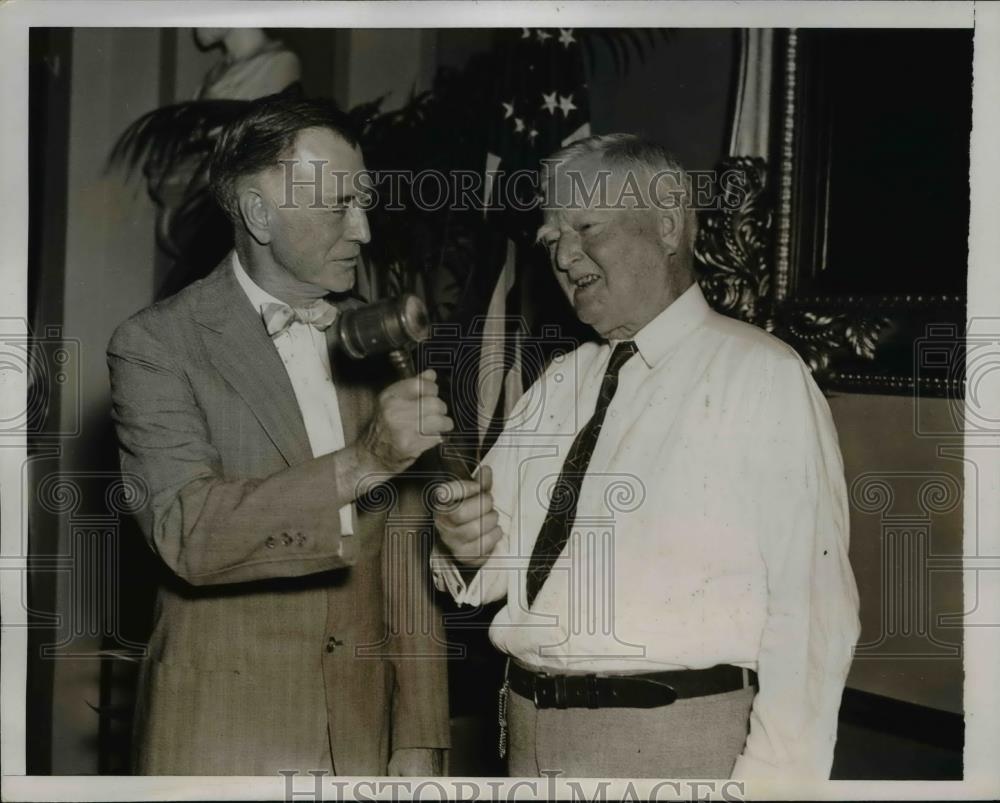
x=243, y=353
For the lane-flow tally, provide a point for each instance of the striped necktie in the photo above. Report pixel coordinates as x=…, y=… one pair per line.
x=559, y=519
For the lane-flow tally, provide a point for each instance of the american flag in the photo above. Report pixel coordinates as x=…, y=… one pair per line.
x=539, y=103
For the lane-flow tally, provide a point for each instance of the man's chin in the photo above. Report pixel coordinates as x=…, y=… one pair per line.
x=343, y=281
x=589, y=315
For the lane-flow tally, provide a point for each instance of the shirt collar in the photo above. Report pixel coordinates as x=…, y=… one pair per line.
x=257, y=295
x=656, y=339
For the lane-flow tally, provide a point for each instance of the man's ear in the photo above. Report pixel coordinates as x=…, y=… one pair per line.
x=256, y=214
x=671, y=228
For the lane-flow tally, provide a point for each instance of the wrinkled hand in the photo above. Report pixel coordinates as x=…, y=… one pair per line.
x=469, y=528
x=409, y=419
x=417, y=762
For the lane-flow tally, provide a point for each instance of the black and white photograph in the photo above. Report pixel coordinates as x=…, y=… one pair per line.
x=461, y=400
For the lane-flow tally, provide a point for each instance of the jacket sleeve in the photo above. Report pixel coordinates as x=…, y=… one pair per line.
x=417, y=641
x=812, y=600
x=208, y=528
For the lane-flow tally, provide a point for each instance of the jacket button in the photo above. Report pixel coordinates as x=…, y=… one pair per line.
x=270, y=543
x=286, y=539
x=300, y=539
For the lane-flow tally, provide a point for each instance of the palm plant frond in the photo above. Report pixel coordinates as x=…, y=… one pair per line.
x=159, y=139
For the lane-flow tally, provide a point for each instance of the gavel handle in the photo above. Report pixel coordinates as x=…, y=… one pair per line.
x=402, y=361
x=440, y=459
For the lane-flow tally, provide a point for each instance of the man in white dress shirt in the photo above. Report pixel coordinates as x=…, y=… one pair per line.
x=275, y=644
x=665, y=513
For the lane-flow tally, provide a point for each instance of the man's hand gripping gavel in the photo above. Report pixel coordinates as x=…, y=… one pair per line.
x=410, y=419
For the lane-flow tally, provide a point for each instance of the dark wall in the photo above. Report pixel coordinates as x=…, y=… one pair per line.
x=50, y=54
x=678, y=93
x=316, y=49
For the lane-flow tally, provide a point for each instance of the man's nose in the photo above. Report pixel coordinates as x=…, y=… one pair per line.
x=358, y=230
x=567, y=250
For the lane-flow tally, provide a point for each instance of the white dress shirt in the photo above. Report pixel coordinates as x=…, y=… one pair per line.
x=304, y=351
x=712, y=527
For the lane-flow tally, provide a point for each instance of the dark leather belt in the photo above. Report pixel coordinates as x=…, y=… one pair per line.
x=648, y=690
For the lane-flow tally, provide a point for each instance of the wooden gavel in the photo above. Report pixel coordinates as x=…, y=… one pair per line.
x=394, y=326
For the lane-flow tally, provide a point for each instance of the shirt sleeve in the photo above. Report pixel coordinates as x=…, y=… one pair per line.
x=491, y=582
x=812, y=610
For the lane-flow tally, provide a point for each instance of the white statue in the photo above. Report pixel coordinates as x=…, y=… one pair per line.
x=253, y=64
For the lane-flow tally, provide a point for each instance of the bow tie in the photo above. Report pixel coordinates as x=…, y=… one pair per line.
x=278, y=317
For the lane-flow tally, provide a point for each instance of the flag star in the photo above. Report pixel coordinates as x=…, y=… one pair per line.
x=542, y=35
x=549, y=102
x=525, y=33
x=566, y=104
x=532, y=134
x=566, y=36
x=518, y=124
x=508, y=109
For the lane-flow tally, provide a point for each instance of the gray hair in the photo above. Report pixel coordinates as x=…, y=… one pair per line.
x=630, y=152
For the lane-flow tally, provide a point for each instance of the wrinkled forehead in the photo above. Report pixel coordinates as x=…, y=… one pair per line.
x=592, y=183
x=568, y=184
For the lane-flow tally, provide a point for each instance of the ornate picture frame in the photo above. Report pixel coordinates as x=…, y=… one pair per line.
x=807, y=246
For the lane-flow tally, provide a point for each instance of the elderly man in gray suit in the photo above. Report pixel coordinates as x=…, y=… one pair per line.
x=272, y=647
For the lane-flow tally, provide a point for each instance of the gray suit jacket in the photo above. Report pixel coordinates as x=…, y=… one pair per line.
x=279, y=641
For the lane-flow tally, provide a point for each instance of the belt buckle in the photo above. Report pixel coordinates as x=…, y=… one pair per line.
x=559, y=691
x=538, y=681
x=557, y=683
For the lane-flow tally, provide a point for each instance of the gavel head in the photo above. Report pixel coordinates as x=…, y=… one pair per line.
x=392, y=324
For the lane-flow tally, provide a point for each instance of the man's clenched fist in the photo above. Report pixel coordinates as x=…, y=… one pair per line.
x=409, y=419
x=467, y=522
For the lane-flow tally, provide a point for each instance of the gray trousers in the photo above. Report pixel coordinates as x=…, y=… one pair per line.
x=699, y=737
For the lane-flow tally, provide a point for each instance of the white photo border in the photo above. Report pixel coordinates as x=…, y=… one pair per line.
x=982, y=644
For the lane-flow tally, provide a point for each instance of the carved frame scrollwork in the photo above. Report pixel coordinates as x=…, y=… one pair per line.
x=739, y=277
x=734, y=244
x=747, y=269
